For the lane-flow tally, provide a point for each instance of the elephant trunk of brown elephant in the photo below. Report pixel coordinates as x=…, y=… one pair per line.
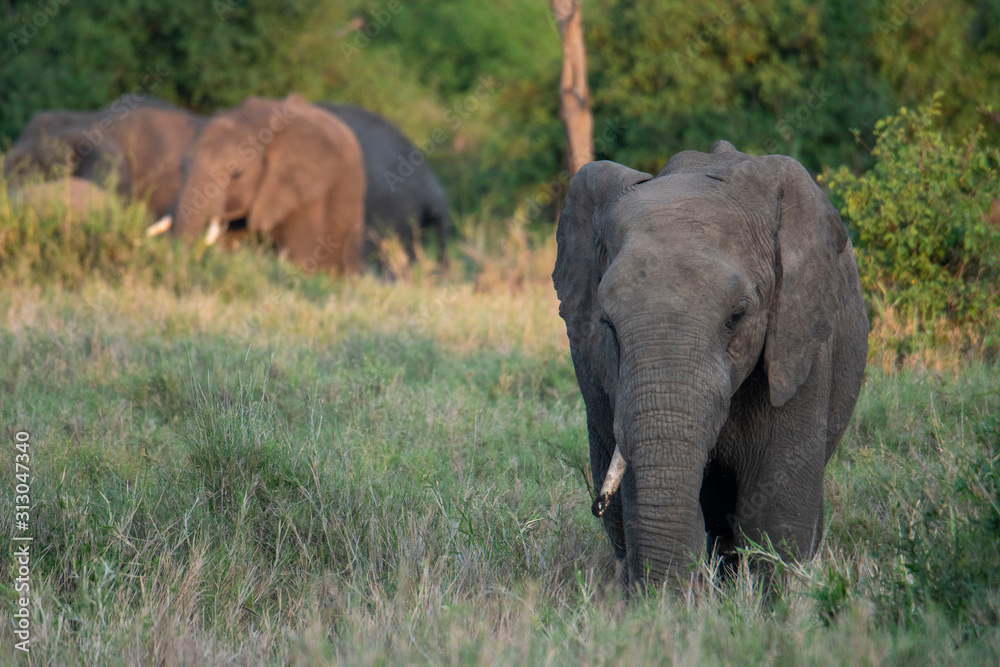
x=671, y=405
x=200, y=208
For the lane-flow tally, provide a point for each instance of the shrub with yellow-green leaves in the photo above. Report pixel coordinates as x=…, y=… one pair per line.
x=925, y=222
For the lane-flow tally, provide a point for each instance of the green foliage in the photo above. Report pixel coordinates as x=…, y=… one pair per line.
x=59, y=248
x=200, y=54
x=925, y=221
x=458, y=42
x=783, y=76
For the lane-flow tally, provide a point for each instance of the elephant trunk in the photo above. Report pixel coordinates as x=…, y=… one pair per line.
x=200, y=205
x=670, y=409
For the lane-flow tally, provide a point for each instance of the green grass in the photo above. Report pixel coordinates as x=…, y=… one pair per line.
x=242, y=465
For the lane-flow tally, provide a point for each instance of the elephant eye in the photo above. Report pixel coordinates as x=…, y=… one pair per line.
x=237, y=173
x=736, y=315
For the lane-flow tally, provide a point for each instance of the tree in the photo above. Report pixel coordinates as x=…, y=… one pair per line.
x=574, y=107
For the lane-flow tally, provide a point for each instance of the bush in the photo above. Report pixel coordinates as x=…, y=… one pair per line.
x=60, y=247
x=925, y=221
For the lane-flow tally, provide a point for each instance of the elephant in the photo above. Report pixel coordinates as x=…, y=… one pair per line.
x=138, y=141
x=402, y=188
x=76, y=197
x=719, y=339
x=282, y=168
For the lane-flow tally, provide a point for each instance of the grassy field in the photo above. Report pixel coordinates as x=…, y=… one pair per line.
x=233, y=464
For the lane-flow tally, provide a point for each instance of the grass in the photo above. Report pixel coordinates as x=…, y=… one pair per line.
x=232, y=463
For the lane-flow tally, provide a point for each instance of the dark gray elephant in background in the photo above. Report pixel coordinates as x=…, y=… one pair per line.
x=139, y=140
x=402, y=188
x=719, y=339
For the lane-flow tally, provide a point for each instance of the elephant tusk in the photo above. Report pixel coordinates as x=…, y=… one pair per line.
x=214, y=231
x=160, y=226
x=611, y=481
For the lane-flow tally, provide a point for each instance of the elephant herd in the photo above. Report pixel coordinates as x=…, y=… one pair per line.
x=714, y=311
x=321, y=182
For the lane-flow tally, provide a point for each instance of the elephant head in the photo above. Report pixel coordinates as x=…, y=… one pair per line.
x=137, y=141
x=54, y=142
x=719, y=339
x=291, y=170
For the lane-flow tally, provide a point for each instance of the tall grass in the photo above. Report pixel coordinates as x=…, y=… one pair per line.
x=233, y=463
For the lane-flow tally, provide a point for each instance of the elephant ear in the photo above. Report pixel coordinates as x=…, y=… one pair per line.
x=580, y=251
x=300, y=161
x=810, y=238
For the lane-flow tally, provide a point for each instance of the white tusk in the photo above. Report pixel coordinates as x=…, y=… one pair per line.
x=214, y=231
x=160, y=226
x=616, y=470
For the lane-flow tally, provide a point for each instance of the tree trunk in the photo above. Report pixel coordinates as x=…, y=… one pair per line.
x=574, y=95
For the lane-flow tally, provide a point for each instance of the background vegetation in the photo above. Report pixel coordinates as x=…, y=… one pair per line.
x=234, y=462
x=925, y=221
x=781, y=76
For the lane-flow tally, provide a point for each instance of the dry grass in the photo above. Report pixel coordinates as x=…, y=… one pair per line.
x=896, y=343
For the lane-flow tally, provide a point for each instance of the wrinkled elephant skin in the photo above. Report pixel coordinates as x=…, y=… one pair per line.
x=719, y=339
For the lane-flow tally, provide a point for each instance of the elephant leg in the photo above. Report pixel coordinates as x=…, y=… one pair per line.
x=780, y=486
x=784, y=500
x=298, y=238
x=767, y=480
x=718, y=499
x=313, y=242
x=785, y=505
x=439, y=223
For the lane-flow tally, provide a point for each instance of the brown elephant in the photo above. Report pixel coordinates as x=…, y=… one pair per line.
x=137, y=142
x=719, y=339
x=285, y=169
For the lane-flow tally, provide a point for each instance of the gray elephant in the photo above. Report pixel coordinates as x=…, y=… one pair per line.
x=402, y=188
x=719, y=340
x=285, y=169
x=140, y=142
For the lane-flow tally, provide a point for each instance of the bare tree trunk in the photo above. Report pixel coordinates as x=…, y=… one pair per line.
x=574, y=96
